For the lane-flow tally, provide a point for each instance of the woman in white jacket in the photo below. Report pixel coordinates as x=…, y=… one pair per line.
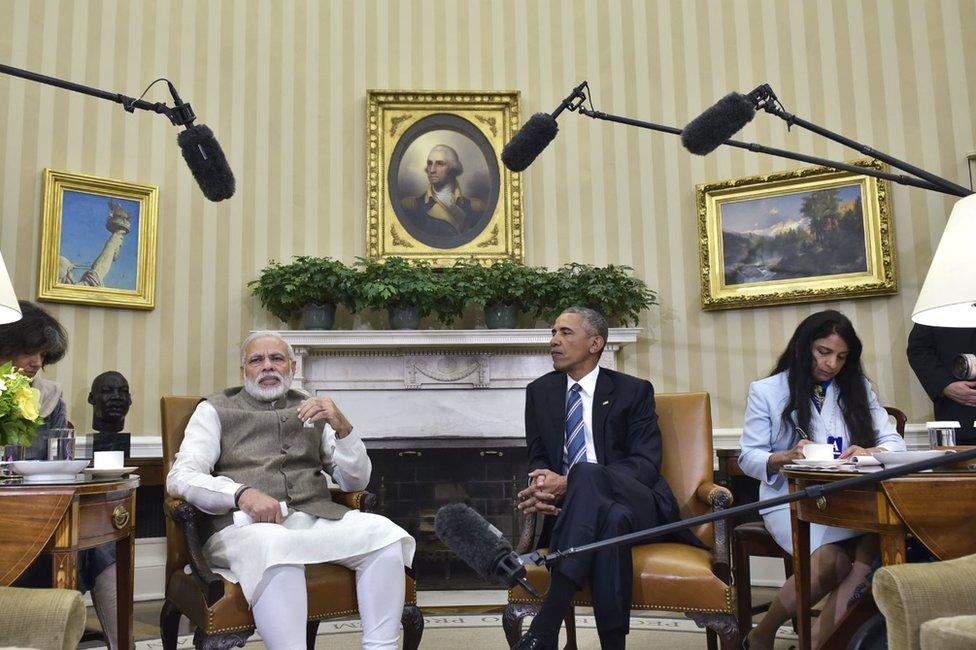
x=816, y=393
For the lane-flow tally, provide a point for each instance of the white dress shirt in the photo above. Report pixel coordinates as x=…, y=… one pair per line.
x=587, y=389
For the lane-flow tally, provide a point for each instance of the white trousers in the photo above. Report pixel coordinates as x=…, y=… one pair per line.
x=280, y=604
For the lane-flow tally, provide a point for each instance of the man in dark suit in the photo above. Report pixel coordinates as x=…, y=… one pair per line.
x=931, y=351
x=595, y=469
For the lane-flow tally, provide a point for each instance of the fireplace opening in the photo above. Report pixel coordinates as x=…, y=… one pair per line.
x=414, y=477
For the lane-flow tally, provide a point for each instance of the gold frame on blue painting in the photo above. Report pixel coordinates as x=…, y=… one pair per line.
x=74, y=207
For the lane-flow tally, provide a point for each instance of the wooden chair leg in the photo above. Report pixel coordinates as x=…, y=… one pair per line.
x=311, y=631
x=169, y=625
x=711, y=639
x=788, y=570
x=570, y=622
x=512, y=620
x=743, y=589
x=413, y=627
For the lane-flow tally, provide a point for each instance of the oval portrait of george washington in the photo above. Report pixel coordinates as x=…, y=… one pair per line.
x=444, y=181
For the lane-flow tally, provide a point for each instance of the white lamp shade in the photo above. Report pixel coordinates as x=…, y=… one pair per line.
x=948, y=296
x=9, y=308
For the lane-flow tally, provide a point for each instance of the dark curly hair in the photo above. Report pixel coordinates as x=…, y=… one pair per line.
x=797, y=360
x=36, y=331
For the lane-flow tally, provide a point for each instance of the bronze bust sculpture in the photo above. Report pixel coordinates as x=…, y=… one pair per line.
x=111, y=400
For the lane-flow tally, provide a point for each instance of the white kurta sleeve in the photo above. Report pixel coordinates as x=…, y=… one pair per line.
x=191, y=477
x=346, y=460
x=757, y=435
x=885, y=435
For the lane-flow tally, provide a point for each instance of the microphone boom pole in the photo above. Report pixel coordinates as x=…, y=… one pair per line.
x=129, y=103
x=769, y=101
x=200, y=148
x=772, y=151
x=812, y=492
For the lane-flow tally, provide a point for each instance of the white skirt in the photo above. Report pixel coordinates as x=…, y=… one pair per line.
x=243, y=554
x=778, y=523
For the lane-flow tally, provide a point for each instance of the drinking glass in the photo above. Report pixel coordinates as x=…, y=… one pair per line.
x=10, y=453
x=61, y=444
x=942, y=434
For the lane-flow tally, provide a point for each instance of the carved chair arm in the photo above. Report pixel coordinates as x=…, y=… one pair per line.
x=719, y=498
x=188, y=518
x=360, y=500
x=714, y=495
x=526, y=540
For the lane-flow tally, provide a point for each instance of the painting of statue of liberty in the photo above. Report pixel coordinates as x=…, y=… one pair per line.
x=97, y=245
x=98, y=241
x=791, y=236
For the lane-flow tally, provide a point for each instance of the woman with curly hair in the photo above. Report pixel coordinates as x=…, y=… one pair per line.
x=817, y=393
x=31, y=343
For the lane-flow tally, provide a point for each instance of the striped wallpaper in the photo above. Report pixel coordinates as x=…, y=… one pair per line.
x=283, y=85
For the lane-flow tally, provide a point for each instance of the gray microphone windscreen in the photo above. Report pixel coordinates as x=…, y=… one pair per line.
x=529, y=141
x=471, y=537
x=717, y=124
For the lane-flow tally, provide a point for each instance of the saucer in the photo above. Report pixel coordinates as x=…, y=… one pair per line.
x=39, y=471
x=108, y=472
x=896, y=458
x=829, y=462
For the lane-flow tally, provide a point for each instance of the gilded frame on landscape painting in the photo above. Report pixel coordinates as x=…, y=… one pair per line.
x=98, y=241
x=473, y=209
x=805, y=235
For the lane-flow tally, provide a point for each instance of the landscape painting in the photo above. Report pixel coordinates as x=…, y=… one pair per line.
x=798, y=236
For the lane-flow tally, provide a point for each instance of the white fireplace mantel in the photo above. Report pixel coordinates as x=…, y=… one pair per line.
x=430, y=383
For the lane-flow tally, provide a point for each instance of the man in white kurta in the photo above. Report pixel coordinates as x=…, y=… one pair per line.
x=253, y=447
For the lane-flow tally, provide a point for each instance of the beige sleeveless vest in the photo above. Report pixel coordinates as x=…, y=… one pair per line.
x=265, y=445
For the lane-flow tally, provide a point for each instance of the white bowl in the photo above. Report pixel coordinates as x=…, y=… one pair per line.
x=39, y=471
x=896, y=458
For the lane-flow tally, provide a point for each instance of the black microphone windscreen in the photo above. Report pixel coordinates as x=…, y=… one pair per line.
x=471, y=538
x=720, y=122
x=529, y=141
x=207, y=162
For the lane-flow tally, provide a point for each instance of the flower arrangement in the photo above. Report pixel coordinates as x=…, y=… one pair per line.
x=20, y=405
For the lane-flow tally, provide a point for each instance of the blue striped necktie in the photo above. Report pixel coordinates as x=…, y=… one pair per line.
x=575, y=446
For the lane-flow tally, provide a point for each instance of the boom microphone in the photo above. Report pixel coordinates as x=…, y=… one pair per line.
x=480, y=545
x=201, y=151
x=207, y=162
x=722, y=120
x=529, y=141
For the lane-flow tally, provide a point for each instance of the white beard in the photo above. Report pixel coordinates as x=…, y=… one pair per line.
x=270, y=394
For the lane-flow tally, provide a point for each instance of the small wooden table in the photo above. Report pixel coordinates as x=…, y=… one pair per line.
x=63, y=518
x=935, y=506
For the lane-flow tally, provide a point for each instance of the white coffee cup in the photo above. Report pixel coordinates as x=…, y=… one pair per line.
x=108, y=459
x=818, y=451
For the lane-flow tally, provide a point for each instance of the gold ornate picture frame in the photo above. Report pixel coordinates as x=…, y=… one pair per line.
x=98, y=241
x=798, y=236
x=435, y=185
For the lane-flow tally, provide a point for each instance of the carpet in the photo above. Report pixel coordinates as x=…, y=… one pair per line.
x=484, y=632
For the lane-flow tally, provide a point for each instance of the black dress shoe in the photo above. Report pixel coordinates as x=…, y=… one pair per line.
x=530, y=641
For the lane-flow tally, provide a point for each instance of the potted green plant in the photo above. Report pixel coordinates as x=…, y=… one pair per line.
x=503, y=288
x=310, y=286
x=407, y=290
x=611, y=290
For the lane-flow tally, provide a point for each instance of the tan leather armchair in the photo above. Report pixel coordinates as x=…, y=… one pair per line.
x=218, y=608
x=667, y=576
